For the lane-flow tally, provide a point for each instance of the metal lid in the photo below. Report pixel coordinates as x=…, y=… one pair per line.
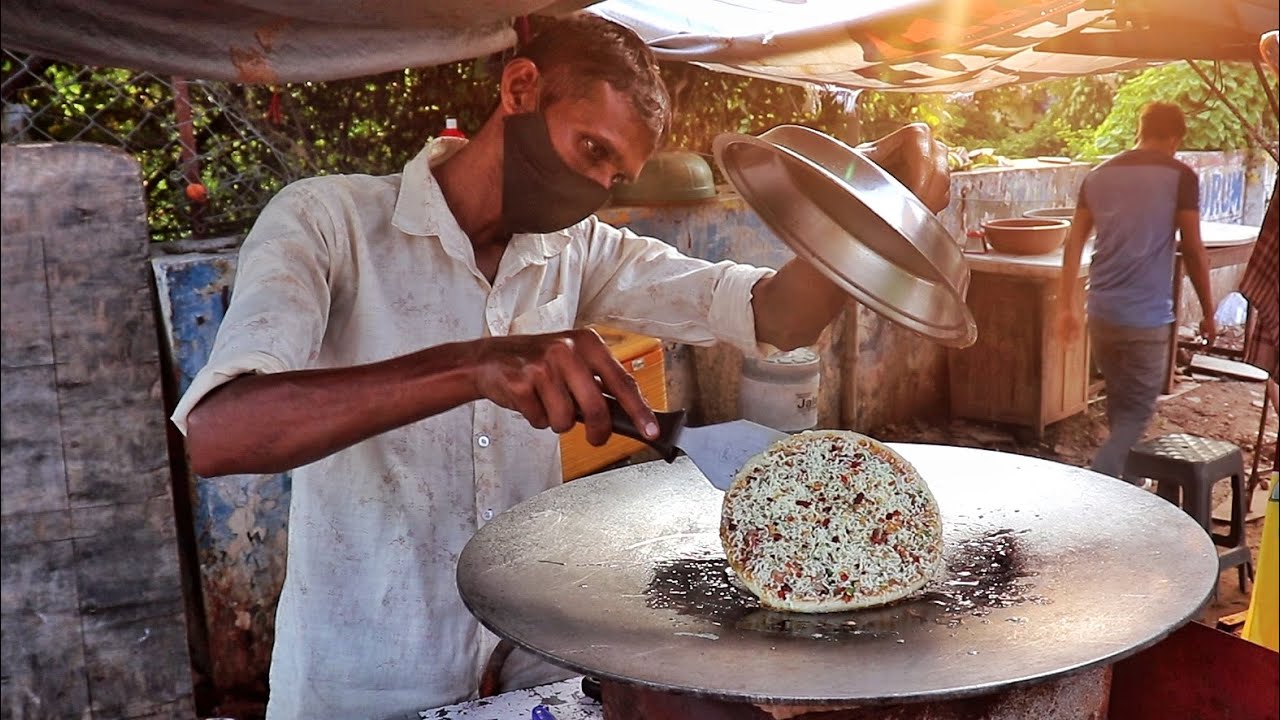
x=857, y=224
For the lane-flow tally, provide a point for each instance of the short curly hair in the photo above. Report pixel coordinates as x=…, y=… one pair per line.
x=573, y=51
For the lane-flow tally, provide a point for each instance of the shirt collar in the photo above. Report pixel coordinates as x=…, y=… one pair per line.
x=421, y=208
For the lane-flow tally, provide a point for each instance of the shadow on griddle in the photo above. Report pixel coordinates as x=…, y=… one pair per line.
x=983, y=571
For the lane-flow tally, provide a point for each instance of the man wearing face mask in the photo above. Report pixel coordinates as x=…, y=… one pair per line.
x=405, y=342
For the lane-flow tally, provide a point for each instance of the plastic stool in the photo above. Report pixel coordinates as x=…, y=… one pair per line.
x=1191, y=465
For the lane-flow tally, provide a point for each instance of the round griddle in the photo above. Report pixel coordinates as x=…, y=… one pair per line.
x=1049, y=569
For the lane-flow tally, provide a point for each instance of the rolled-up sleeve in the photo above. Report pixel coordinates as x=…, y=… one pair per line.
x=280, y=299
x=644, y=285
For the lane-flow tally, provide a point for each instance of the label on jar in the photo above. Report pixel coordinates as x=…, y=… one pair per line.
x=788, y=407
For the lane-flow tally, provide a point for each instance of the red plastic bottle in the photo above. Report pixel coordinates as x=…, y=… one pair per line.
x=451, y=129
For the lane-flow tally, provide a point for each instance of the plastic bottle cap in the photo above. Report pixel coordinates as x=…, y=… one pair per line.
x=451, y=123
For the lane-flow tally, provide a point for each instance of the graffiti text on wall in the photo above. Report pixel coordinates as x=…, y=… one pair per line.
x=1222, y=193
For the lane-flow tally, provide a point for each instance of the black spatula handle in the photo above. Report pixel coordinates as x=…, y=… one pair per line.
x=669, y=426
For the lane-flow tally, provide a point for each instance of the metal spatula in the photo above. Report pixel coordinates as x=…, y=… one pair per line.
x=719, y=450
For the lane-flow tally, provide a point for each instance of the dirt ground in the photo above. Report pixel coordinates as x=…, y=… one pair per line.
x=1203, y=405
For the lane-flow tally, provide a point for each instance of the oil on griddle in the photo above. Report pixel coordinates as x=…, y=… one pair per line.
x=983, y=569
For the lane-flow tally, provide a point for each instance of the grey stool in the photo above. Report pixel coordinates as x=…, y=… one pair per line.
x=1189, y=465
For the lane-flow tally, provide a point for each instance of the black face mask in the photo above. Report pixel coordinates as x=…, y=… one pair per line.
x=540, y=193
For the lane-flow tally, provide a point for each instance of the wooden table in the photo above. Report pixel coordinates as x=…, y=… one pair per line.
x=1227, y=245
x=1019, y=371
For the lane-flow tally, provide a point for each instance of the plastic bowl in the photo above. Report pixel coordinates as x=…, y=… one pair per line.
x=1026, y=236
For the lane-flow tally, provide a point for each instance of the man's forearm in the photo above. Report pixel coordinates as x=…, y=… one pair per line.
x=1197, y=261
x=275, y=422
x=1071, y=253
x=794, y=306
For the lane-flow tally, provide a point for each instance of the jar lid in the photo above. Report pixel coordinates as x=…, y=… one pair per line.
x=784, y=365
x=799, y=356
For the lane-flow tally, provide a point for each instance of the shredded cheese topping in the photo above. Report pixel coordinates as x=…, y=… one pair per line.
x=830, y=520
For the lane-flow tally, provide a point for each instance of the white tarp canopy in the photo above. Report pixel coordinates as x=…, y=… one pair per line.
x=913, y=45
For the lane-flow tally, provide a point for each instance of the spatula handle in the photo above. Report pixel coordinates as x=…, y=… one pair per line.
x=669, y=426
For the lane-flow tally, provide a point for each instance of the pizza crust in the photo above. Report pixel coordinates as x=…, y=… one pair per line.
x=830, y=521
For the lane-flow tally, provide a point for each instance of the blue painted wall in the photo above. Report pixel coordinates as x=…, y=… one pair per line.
x=240, y=520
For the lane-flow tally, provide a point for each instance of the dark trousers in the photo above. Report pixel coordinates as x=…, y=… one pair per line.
x=1133, y=363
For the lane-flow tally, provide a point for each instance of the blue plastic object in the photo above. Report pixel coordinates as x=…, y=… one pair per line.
x=542, y=712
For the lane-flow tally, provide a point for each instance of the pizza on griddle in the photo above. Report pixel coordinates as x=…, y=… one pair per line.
x=827, y=521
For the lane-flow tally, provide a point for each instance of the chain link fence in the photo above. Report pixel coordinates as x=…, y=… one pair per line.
x=210, y=157
x=213, y=153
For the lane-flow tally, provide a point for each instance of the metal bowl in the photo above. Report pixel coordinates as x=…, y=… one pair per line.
x=1025, y=236
x=857, y=224
x=1055, y=213
x=670, y=176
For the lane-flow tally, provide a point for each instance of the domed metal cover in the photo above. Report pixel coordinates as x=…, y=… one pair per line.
x=857, y=224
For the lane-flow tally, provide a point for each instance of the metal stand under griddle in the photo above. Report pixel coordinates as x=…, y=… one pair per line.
x=1078, y=696
x=1052, y=574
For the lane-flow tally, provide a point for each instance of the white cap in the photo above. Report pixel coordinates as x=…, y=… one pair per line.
x=451, y=123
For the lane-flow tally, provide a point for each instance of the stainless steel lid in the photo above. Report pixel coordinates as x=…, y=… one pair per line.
x=857, y=224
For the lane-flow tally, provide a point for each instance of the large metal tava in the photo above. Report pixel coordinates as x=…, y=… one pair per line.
x=856, y=224
x=1049, y=569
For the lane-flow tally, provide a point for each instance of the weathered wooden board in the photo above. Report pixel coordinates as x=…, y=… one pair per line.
x=38, y=650
x=94, y=622
x=24, y=304
x=32, y=464
x=1019, y=371
x=892, y=375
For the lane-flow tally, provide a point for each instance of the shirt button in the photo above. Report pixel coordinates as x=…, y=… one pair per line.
x=483, y=441
x=487, y=514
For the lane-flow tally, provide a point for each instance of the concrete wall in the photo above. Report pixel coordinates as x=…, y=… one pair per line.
x=93, y=609
x=1234, y=188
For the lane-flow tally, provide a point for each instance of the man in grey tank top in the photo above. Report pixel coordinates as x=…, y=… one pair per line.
x=1140, y=201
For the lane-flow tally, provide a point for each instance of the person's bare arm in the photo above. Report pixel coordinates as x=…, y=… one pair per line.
x=1069, y=321
x=1196, y=259
x=274, y=422
x=793, y=306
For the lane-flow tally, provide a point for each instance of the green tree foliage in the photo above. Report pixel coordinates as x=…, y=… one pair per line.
x=1210, y=124
x=252, y=140
x=1048, y=118
x=709, y=103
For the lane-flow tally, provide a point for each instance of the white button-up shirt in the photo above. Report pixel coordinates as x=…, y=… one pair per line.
x=346, y=270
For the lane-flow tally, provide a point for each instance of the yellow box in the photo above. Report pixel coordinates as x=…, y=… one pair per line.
x=642, y=356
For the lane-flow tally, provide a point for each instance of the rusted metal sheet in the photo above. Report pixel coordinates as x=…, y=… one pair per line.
x=239, y=521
